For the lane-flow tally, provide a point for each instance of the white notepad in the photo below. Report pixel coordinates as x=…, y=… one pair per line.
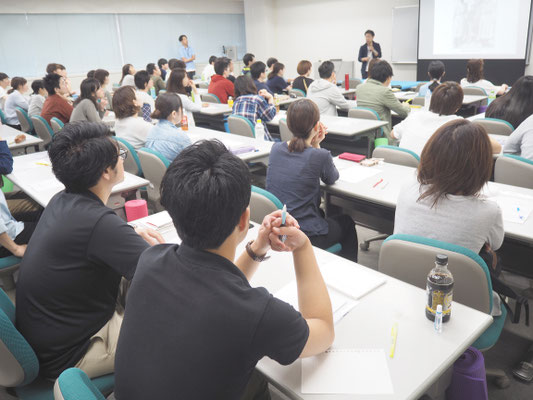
x=515, y=207
x=357, y=173
x=352, y=371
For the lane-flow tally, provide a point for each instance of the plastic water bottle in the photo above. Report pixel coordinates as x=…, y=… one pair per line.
x=492, y=96
x=439, y=289
x=259, y=131
x=230, y=102
x=184, y=123
x=152, y=92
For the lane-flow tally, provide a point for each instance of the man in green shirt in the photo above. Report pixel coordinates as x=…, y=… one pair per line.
x=376, y=94
x=155, y=74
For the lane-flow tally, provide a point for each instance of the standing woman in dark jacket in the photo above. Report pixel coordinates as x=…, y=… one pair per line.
x=368, y=51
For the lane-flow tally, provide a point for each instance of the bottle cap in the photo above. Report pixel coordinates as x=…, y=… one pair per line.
x=258, y=121
x=439, y=309
x=441, y=259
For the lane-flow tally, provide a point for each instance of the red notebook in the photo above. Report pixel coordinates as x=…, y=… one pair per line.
x=352, y=157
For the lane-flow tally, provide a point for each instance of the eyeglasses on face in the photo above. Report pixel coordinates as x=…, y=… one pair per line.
x=123, y=154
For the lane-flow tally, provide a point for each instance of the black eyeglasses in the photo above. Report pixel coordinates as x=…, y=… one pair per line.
x=123, y=154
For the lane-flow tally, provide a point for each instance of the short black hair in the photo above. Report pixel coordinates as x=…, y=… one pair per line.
x=205, y=190
x=257, y=69
x=141, y=79
x=100, y=75
x=212, y=59
x=80, y=153
x=221, y=64
x=244, y=85
x=36, y=85
x=161, y=62
x=436, y=69
x=181, y=37
x=3, y=76
x=150, y=68
x=247, y=59
x=326, y=69
x=381, y=71
x=51, y=82
x=271, y=61
x=371, y=32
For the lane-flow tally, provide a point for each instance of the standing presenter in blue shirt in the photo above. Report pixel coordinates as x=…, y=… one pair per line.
x=187, y=56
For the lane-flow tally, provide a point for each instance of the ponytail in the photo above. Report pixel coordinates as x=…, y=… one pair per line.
x=297, y=145
x=156, y=114
x=16, y=82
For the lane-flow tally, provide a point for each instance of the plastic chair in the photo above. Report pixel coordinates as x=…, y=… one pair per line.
x=296, y=93
x=476, y=91
x=203, y=85
x=43, y=130
x=210, y=98
x=284, y=131
x=132, y=164
x=74, y=384
x=514, y=170
x=56, y=124
x=365, y=113
x=239, y=125
x=354, y=82
x=3, y=117
x=495, y=126
x=397, y=155
x=25, y=122
x=8, y=265
x=154, y=166
x=262, y=203
x=19, y=366
x=418, y=101
x=409, y=258
x=420, y=84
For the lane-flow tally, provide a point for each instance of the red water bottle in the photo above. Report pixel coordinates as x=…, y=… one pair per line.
x=184, y=123
x=347, y=81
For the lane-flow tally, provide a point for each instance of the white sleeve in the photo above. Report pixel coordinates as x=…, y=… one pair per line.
x=398, y=129
x=496, y=232
x=191, y=106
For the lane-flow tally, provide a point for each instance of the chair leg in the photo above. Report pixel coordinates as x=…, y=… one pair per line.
x=366, y=244
x=501, y=380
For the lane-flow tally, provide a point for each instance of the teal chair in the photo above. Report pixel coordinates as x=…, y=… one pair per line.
x=514, y=170
x=24, y=120
x=409, y=258
x=74, y=384
x=239, y=125
x=210, y=98
x=476, y=91
x=56, y=124
x=284, y=131
x=3, y=117
x=132, y=164
x=397, y=155
x=365, y=113
x=296, y=93
x=43, y=129
x=262, y=203
x=19, y=367
x=154, y=166
x=8, y=266
x=495, y=126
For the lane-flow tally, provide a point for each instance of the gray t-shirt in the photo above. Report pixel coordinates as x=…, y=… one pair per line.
x=85, y=110
x=521, y=140
x=468, y=221
x=36, y=105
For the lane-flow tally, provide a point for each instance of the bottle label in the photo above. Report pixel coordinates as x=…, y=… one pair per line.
x=436, y=297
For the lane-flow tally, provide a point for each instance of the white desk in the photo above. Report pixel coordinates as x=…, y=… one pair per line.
x=396, y=176
x=467, y=100
x=8, y=134
x=262, y=148
x=477, y=116
x=215, y=109
x=421, y=355
x=39, y=182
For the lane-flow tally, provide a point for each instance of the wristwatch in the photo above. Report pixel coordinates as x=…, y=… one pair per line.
x=254, y=256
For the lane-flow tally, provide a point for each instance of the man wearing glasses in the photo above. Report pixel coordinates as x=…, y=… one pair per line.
x=56, y=104
x=80, y=251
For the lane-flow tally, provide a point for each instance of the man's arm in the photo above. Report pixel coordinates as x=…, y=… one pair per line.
x=391, y=102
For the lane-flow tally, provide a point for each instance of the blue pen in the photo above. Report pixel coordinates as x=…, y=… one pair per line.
x=283, y=218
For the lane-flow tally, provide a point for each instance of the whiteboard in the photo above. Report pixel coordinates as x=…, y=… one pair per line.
x=405, y=34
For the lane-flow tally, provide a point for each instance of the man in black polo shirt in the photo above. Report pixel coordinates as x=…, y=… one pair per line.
x=194, y=328
x=80, y=250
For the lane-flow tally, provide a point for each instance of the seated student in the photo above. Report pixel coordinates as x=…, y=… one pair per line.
x=302, y=82
x=436, y=73
x=220, y=85
x=376, y=94
x=166, y=137
x=79, y=252
x=474, y=77
x=248, y=60
x=174, y=63
x=294, y=172
x=445, y=203
x=56, y=104
x=275, y=82
x=128, y=125
x=516, y=105
x=128, y=72
x=16, y=98
x=87, y=106
x=252, y=106
x=55, y=68
x=209, y=69
x=324, y=91
x=37, y=98
x=4, y=84
x=206, y=356
x=14, y=234
x=162, y=63
x=102, y=76
x=143, y=83
x=155, y=75
x=258, y=74
x=270, y=62
x=520, y=142
x=180, y=84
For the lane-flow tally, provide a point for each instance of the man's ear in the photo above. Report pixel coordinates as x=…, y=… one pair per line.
x=244, y=220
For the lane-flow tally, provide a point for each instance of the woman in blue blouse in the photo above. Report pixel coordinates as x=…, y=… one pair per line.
x=166, y=138
x=276, y=83
x=295, y=170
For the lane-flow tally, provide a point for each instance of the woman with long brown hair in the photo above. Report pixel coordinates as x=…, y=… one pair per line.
x=475, y=77
x=295, y=169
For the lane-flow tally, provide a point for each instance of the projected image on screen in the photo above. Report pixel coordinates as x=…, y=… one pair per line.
x=457, y=29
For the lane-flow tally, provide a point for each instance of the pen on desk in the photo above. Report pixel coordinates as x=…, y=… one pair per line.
x=394, y=335
x=378, y=182
x=43, y=163
x=283, y=219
